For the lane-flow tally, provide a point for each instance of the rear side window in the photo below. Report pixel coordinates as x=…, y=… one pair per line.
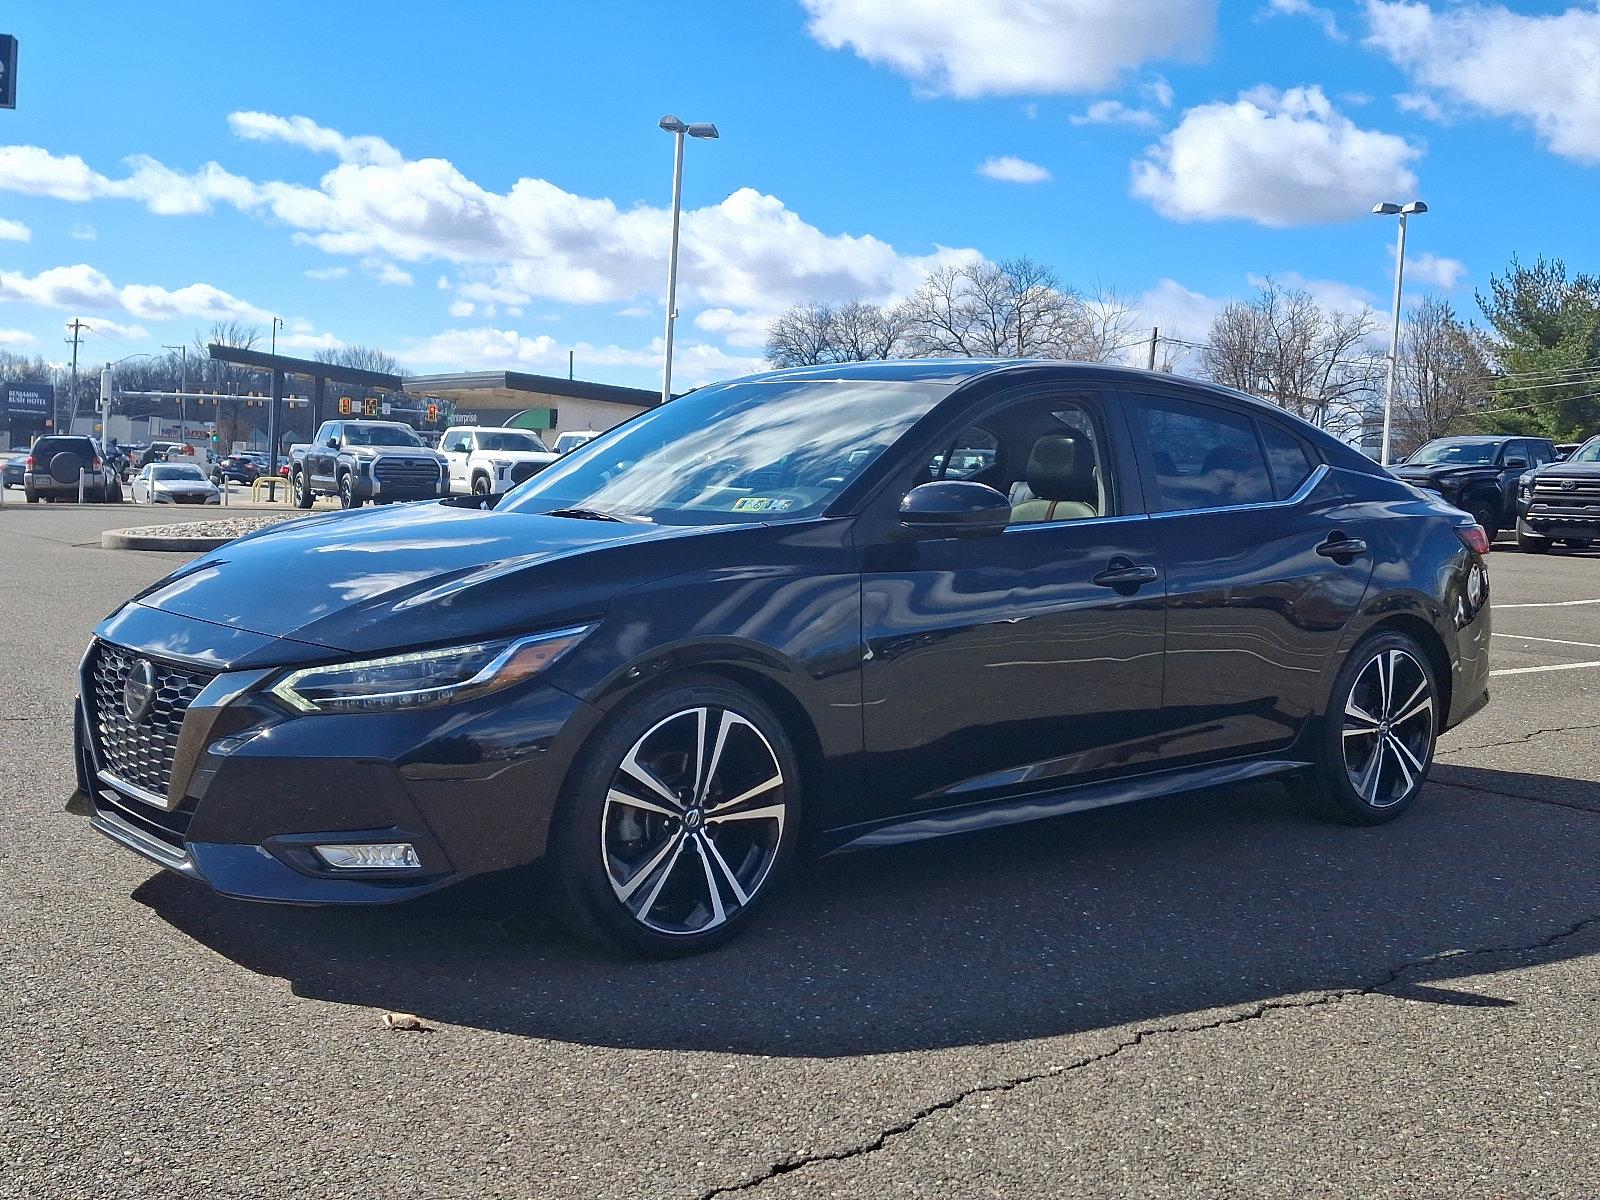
x=1202, y=457
x=1287, y=459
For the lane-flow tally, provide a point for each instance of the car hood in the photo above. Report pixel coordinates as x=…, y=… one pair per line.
x=420, y=574
x=1439, y=472
x=516, y=456
x=1569, y=470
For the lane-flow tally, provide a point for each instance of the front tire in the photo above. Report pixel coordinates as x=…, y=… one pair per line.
x=1377, y=741
x=1529, y=542
x=677, y=822
x=347, y=492
x=304, y=497
x=481, y=485
x=1487, y=517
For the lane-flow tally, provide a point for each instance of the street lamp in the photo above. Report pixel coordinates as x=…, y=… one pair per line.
x=700, y=129
x=105, y=393
x=277, y=324
x=1402, y=211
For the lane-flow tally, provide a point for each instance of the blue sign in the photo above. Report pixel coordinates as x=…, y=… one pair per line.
x=27, y=399
x=8, y=71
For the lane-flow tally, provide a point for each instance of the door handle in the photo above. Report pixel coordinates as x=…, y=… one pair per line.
x=1342, y=549
x=1121, y=573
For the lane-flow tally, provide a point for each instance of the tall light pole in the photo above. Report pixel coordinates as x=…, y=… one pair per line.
x=105, y=394
x=183, y=388
x=277, y=324
x=701, y=129
x=1402, y=211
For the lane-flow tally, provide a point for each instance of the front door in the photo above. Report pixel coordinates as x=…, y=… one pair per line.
x=1264, y=571
x=1021, y=661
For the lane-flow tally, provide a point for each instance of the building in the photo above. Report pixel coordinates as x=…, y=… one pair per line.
x=539, y=402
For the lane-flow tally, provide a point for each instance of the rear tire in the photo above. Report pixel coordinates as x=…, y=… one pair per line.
x=1375, y=745
x=1489, y=519
x=32, y=497
x=1529, y=542
x=645, y=860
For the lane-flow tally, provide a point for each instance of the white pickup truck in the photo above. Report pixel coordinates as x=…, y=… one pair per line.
x=486, y=461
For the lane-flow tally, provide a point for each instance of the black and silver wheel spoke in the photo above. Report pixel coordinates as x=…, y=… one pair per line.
x=1388, y=727
x=693, y=820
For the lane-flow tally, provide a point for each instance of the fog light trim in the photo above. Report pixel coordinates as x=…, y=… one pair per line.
x=370, y=856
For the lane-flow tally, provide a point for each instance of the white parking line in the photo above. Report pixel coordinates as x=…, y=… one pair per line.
x=1523, y=637
x=1535, y=670
x=1548, y=604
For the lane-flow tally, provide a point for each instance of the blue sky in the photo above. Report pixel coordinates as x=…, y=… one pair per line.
x=483, y=185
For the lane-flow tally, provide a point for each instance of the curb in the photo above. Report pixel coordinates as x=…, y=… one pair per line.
x=138, y=539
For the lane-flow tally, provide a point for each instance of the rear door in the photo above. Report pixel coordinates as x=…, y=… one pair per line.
x=1263, y=572
x=1016, y=662
x=457, y=449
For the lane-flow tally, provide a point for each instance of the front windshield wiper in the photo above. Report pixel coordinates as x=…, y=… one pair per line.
x=595, y=514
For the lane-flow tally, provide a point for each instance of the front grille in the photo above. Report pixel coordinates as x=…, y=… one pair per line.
x=406, y=473
x=139, y=752
x=1584, y=495
x=524, y=470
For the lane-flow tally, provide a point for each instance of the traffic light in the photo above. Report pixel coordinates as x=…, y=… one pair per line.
x=433, y=412
x=371, y=406
x=344, y=406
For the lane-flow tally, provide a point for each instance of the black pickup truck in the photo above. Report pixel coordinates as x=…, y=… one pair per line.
x=1561, y=502
x=1477, y=474
x=359, y=461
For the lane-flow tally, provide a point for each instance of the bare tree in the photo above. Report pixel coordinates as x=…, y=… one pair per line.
x=1443, y=375
x=1283, y=346
x=802, y=336
x=212, y=376
x=807, y=334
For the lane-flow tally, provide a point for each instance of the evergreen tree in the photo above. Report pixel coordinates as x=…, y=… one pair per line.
x=1545, y=338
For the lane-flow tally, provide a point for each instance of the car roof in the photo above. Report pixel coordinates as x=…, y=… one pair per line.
x=1481, y=439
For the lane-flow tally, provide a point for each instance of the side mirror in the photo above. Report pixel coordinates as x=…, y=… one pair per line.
x=1516, y=463
x=955, y=508
x=1399, y=462
x=332, y=443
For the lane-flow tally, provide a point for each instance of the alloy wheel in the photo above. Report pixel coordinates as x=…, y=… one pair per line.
x=1388, y=727
x=693, y=821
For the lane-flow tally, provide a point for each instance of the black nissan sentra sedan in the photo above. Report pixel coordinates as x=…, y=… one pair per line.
x=839, y=607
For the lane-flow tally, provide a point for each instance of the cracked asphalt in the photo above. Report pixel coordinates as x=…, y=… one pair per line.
x=1212, y=996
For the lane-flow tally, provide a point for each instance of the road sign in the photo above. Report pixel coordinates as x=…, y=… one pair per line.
x=387, y=409
x=8, y=71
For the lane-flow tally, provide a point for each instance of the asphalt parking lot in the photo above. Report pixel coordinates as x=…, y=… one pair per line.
x=1210, y=996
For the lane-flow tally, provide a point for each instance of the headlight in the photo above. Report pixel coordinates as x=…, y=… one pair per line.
x=423, y=679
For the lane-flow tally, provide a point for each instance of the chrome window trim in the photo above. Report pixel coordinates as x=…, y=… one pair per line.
x=1073, y=523
x=1305, y=489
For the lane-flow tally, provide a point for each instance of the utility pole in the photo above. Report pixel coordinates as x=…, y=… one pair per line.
x=183, y=389
x=1155, y=336
x=77, y=327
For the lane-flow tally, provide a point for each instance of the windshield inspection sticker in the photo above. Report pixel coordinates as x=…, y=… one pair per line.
x=762, y=504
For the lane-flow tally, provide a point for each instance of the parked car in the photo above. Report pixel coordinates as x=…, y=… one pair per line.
x=359, y=461
x=1561, y=502
x=14, y=471
x=236, y=468
x=174, y=483
x=163, y=452
x=55, y=463
x=1564, y=450
x=762, y=613
x=485, y=460
x=566, y=443
x=1478, y=474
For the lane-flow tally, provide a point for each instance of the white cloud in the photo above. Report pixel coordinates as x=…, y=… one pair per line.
x=83, y=231
x=1115, y=112
x=14, y=231
x=1324, y=18
x=1422, y=104
x=1156, y=90
x=309, y=342
x=1431, y=270
x=462, y=308
x=1008, y=168
x=16, y=339
x=1329, y=293
x=303, y=131
x=386, y=272
x=83, y=288
x=33, y=171
x=745, y=329
x=116, y=331
x=1276, y=158
x=1013, y=47
x=1544, y=69
x=1178, y=312
x=327, y=272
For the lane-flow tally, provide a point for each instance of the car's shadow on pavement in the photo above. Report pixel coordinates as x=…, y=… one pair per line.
x=1123, y=915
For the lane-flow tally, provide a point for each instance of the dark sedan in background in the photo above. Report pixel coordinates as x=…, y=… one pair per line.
x=14, y=471
x=850, y=606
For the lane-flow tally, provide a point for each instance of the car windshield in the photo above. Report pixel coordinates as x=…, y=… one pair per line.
x=509, y=440
x=176, y=472
x=756, y=451
x=379, y=435
x=1589, y=452
x=1448, y=452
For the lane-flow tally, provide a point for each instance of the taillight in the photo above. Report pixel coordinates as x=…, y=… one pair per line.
x=1473, y=538
x=29, y=463
x=94, y=464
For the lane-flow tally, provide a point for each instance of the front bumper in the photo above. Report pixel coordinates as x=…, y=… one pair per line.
x=251, y=788
x=1555, y=520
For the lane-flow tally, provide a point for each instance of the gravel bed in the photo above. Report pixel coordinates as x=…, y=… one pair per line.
x=223, y=527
